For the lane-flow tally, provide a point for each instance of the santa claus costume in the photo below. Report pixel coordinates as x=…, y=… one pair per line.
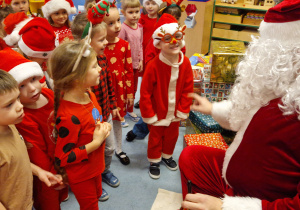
x=164, y=97
x=261, y=168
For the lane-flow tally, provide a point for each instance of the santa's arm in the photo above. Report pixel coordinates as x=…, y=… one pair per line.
x=220, y=113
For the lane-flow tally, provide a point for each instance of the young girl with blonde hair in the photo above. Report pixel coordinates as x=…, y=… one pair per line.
x=79, y=132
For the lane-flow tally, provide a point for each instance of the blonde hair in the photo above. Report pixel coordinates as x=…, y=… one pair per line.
x=130, y=4
x=7, y=83
x=89, y=4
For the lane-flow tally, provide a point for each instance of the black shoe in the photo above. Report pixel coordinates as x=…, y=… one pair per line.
x=124, y=160
x=137, y=105
x=170, y=163
x=154, y=171
x=130, y=136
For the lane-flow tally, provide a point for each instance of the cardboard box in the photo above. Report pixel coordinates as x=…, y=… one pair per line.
x=251, y=21
x=226, y=10
x=228, y=18
x=245, y=35
x=203, y=61
x=216, y=91
x=223, y=26
x=226, y=56
x=223, y=33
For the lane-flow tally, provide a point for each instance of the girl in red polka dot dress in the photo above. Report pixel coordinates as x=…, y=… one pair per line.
x=80, y=133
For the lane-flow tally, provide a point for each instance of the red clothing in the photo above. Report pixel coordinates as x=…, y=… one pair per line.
x=104, y=92
x=75, y=125
x=64, y=33
x=120, y=65
x=36, y=129
x=164, y=91
x=263, y=164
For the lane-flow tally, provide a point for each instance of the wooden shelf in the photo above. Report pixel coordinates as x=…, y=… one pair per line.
x=243, y=6
x=237, y=24
x=215, y=37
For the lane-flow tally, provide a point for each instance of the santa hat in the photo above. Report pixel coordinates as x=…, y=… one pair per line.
x=18, y=66
x=282, y=22
x=158, y=2
x=166, y=24
x=52, y=6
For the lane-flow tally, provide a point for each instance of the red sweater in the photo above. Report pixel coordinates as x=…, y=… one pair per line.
x=148, y=28
x=36, y=128
x=76, y=125
x=64, y=33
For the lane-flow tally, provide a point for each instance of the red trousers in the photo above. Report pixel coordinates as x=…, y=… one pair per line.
x=162, y=140
x=47, y=198
x=88, y=192
x=203, y=166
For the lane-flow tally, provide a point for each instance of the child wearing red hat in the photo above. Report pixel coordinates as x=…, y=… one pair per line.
x=57, y=13
x=261, y=168
x=164, y=94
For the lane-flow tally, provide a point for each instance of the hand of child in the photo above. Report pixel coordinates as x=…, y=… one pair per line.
x=130, y=102
x=140, y=69
x=201, y=104
x=201, y=202
x=48, y=178
x=60, y=186
x=102, y=130
x=116, y=113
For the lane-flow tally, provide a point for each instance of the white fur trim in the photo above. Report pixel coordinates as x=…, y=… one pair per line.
x=220, y=112
x=241, y=203
x=26, y=70
x=286, y=33
x=150, y=120
x=55, y=5
x=170, y=28
x=29, y=52
x=182, y=115
x=14, y=37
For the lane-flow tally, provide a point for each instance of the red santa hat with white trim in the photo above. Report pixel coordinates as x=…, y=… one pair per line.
x=52, y=6
x=282, y=23
x=166, y=24
x=35, y=38
x=18, y=66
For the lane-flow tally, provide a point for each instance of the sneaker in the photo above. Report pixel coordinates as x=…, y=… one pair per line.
x=104, y=196
x=124, y=124
x=110, y=179
x=133, y=116
x=123, y=158
x=170, y=163
x=154, y=171
x=130, y=136
x=137, y=105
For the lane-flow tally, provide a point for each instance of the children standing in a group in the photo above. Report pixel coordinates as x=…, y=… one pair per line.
x=57, y=12
x=119, y=60
x=79, y=131
x=164, y=94
x=132, y=32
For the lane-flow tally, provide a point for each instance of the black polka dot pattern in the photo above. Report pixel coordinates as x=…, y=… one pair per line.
x=68, y=147
x=84, y=160
x=71, y=157
x=57, y=161
x=82, y=147
x=63, y=132
x=58, y=120
x=75, y=120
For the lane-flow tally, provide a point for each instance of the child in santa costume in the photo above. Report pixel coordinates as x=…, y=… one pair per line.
x=57, y=13
x=167, y=81
x=261, y=168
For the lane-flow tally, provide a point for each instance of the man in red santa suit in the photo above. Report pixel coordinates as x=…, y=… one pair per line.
x=261, y=168
x=164, y=101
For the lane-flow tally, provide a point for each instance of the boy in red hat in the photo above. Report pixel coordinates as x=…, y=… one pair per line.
x=167, y=81
x=261, y=168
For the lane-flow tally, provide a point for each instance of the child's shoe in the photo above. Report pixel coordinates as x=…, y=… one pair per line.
x=170, y=163
x=133, y=116
x=124, y=124
x=154, y=171
x=137, y=105
x=123, y=158
x=104, y=196
x=110, y=179
x=130, y=136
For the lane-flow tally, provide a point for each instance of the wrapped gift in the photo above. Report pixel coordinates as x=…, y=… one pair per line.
x=205, y=123
x=214, y=140
x=203, y=63
x=226, y=56
x=216, y=91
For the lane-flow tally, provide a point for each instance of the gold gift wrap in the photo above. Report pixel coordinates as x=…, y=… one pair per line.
x=226, y=56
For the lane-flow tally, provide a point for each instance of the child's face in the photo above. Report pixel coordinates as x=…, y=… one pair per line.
x=20, y=6
x=11, y=109
x=59, y=17
x=170, y=49
x=152, y=8
x=93, y=74
x=99, y=42
x=30, y=91
x=132, y=15
x=113, y=23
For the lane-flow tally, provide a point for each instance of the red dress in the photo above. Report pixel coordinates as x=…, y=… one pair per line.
x=120, y=65
x=64, y=33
